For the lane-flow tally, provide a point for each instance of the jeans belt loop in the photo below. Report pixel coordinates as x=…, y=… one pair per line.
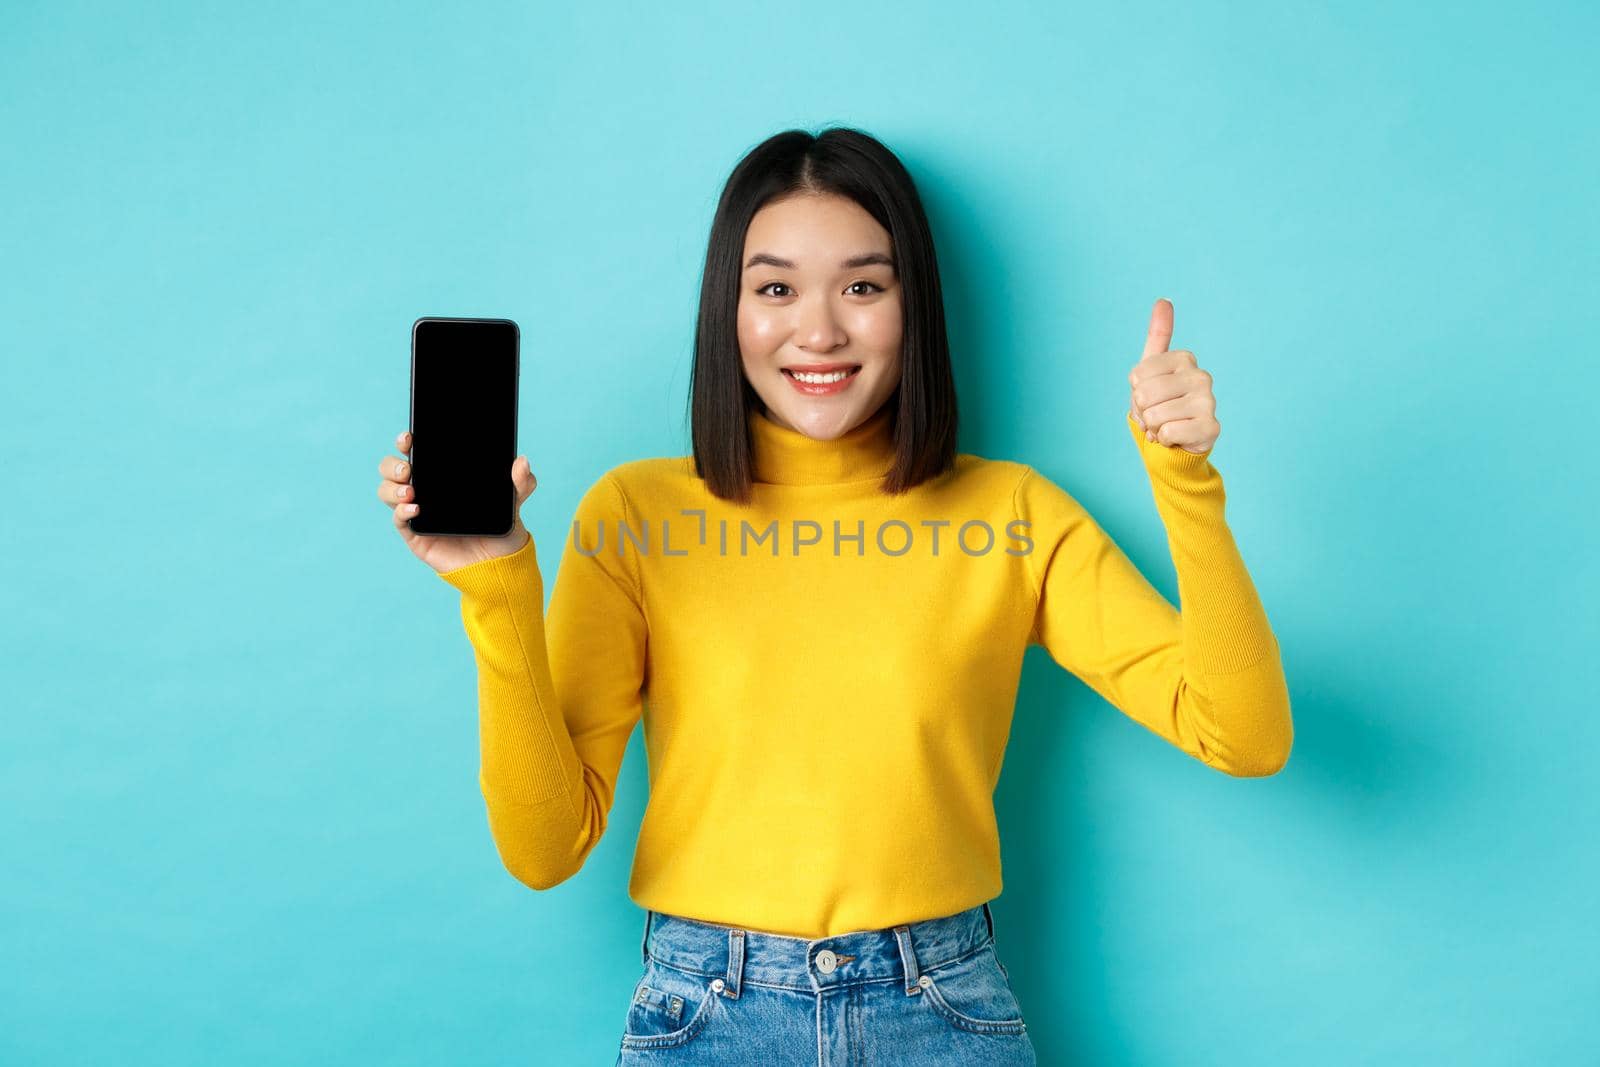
x=908, y=959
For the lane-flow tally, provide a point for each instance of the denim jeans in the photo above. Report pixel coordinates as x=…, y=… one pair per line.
x=923, y=993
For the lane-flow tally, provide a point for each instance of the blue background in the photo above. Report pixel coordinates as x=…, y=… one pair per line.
x=241, y=814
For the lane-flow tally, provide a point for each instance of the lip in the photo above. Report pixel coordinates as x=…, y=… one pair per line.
x=819, y=368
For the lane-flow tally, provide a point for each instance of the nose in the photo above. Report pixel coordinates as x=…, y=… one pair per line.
x=818, y=330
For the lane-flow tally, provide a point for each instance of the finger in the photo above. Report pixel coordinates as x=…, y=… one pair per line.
x=1156, y=387
x=1181, y=432
x=522, y=477
x=1160, y=332
x=393, y=493
x=403, y=514
x=1175, y=431
x=1180, y=412
x=1150, y=385
x=1173, y=361
x=396, y=470
x=1158, y=416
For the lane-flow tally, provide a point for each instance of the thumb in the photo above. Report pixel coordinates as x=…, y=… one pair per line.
x=1160, y=334
x=522, y=477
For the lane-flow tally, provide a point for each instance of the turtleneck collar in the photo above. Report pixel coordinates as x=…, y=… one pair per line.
x=782, y=456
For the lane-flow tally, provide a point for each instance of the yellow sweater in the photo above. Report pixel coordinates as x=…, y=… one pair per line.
x=827, y=675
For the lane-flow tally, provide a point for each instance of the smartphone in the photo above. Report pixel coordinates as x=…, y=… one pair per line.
x=464, y=425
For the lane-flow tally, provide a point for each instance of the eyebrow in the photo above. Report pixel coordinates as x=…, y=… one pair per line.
x=850, y=264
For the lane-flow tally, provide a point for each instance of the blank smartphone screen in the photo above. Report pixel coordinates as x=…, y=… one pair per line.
x=464, y=425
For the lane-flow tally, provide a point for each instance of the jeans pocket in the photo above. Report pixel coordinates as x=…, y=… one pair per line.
x=669, y=1008
x=974, y=994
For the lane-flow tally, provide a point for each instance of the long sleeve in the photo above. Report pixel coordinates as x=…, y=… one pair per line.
x=1209, y=679
x=558, y=697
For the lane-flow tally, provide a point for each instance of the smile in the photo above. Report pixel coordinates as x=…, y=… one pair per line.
x=821, y=384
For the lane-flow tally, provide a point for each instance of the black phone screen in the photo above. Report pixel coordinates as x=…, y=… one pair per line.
x=464, y=425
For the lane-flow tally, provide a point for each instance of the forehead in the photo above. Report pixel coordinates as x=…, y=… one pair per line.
x=815, y=230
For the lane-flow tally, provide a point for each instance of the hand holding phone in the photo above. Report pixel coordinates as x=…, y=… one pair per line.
x=457, y=495
x=448, y=553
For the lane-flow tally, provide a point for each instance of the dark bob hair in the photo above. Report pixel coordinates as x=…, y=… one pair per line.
x=844, y=162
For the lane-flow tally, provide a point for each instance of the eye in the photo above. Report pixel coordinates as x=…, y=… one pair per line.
x=873, y=286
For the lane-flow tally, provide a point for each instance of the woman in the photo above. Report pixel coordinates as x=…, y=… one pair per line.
x=821, y=616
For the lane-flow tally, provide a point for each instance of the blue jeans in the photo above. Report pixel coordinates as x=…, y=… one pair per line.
x=922, y=993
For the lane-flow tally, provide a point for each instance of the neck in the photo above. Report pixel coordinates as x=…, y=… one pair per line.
x=788, y=457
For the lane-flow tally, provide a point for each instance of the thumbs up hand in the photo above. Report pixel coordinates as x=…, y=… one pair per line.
x=1171, y=399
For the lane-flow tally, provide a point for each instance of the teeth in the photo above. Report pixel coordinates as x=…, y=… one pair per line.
x=821, y=379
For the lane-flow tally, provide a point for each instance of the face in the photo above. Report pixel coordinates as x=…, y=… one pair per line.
x=819, y=290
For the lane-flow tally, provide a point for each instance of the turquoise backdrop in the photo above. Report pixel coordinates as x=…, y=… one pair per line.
x=239, y=761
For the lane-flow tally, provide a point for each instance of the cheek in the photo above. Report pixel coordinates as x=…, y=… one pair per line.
x=757, y=327
x=880, y=329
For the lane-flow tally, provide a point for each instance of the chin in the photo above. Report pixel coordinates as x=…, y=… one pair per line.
x=823, y=422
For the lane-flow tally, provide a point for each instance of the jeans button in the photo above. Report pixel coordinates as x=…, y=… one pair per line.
x=826, y=961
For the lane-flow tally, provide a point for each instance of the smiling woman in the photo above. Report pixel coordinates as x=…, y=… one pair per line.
x=828, y=329
x=821, y=261
x=825, y=721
